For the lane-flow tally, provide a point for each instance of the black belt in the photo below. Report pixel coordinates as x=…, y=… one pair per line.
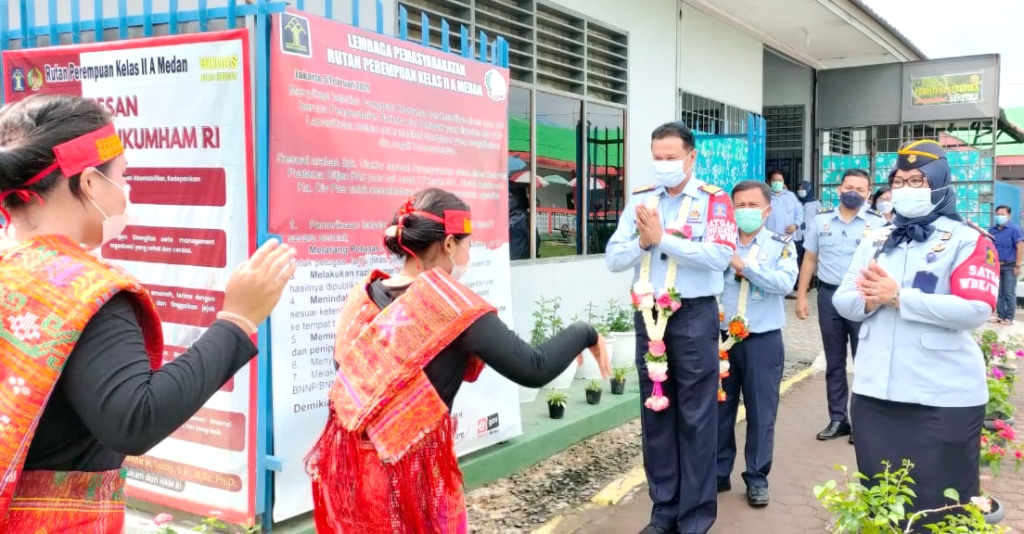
x=1008, y=263
x=828, y=286
x=695, y=301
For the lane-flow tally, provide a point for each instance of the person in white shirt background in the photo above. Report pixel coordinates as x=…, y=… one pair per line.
x=882, y=201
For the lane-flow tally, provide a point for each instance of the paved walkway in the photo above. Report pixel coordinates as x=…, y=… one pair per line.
x=800, y=463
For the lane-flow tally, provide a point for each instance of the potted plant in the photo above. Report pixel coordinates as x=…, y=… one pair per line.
x=999, y=406
x=998, y=353
x=594, y=392
x=881, y=508
x=618, y=319
x=618, y=380
x=547, y=321
x=556, y=403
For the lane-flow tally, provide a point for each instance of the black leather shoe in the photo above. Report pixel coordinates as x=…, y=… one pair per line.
x=757, y=496
x=834, y=430
x=655, y=529
x=724, y=484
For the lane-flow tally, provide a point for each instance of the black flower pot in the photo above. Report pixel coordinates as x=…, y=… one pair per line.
x=996, y=515
x=593, y=397
x=990, y=420
x=618, y=386
x=556, y=411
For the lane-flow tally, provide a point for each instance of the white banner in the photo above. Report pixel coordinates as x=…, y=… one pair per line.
x=180, y=105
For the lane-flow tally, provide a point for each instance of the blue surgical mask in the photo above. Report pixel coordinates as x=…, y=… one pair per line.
x=749, y=219
x=1002, y=220
x=669, y=173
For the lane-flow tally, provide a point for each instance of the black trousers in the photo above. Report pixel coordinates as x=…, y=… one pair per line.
x=755, y=368
x=944, y=445
x=836, y=333
x=680, y=443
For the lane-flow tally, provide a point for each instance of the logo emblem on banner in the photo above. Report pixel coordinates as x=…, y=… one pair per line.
x=295, y=35
x=18, y=81
x=494, y=83
x=35, y=79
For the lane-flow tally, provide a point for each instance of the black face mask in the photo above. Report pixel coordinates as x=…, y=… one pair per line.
x=851, y=200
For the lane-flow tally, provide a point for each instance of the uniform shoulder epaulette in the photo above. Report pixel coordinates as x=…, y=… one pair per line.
x=875, y=212
x=974, y=226
x=825, y=210
x=710, y=189
x=643, y=189
x=782, y=238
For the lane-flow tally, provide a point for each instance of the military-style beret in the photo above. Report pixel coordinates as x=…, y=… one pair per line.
x=916, y=154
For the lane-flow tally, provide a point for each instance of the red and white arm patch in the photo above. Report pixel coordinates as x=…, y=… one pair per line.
x=721, y=227
x=473, y=370
x=977, y=278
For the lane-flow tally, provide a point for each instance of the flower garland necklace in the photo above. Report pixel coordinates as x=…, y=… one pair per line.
x=738, y=328
x=668, y=301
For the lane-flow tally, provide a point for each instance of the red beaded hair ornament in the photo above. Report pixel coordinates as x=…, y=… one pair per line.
x=456, y=222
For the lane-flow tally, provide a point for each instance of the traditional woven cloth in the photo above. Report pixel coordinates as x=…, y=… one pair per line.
x=51, y=502
x=386, y=462
x=49, y=290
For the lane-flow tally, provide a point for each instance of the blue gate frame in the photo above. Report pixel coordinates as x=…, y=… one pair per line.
x=26, y=36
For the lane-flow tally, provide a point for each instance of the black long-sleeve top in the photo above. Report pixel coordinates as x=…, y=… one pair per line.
x=492, y=341
x=108, y=403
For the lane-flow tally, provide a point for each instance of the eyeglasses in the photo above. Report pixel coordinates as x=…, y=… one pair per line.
x=913, y=181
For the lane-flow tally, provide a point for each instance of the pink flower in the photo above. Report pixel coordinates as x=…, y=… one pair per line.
x=162, y=520
x=657, y=376
x=1019, y=354
x=1018, y=455
x=635, y=298
x=664, y=300
x=997, y=374
x=657, y=348
x=675, y=305
x=656, y=403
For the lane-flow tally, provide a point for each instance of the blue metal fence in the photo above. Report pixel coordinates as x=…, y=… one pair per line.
x=144, y=21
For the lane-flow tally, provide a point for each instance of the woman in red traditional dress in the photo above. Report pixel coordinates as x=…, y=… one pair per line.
x=81, y=344
x=386, y=462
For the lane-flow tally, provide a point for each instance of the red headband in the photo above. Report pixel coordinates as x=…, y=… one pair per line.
x=456, y=222
x=72, y=157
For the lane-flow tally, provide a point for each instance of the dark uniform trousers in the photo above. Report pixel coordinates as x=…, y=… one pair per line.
x=755, y=368
x=680, y=443
x=836, y=332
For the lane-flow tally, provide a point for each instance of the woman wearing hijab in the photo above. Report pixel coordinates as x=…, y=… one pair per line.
x=881, y=201
x=811, y=206
x=920, y=286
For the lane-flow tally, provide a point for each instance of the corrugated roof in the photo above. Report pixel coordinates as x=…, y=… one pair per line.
x=889, y=27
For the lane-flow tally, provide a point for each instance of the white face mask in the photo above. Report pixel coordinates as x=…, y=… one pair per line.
x=458, y=271
x=885, y=206
x=912, y=202
x=113, y=225
x=669, y=173
x=801, y=193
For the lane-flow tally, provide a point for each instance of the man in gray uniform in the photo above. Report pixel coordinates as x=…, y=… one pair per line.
x=686, y=222
x=831, y=238
x=767, y=261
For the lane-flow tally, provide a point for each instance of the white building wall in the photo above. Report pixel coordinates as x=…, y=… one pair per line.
x=719, y=61
x=652, y=101
x=787, y=83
